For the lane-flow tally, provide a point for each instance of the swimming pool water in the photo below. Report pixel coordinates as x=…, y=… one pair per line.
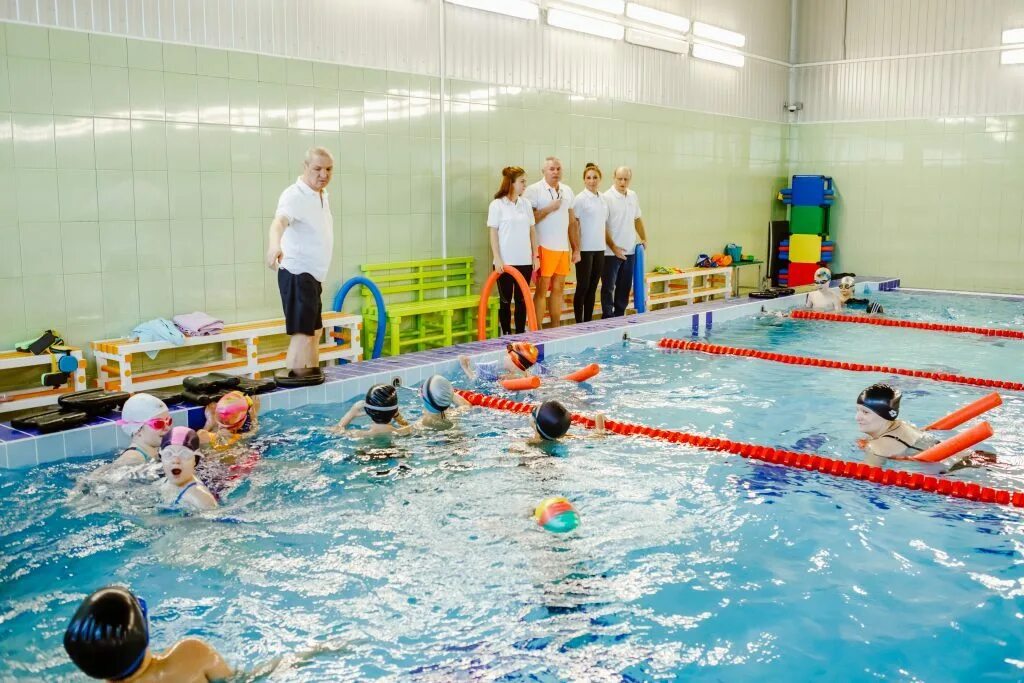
x=341, y=560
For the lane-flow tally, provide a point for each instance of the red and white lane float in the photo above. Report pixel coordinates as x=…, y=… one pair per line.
x=908, y=324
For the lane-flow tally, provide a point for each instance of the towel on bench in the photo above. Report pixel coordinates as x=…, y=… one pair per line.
x=198, y=324
x=158, y=329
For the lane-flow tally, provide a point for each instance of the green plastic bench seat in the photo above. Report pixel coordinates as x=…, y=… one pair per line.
x=429, y=302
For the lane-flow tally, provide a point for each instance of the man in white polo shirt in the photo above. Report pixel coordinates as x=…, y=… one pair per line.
x=300, y=248
x=624, y=226
x=558, y=234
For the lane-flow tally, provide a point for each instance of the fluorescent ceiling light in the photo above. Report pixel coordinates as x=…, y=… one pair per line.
x=657, y=41
x=577, y=22
x=521, y=9
x=717, y=54
x=649, y=15
x=616, y=7
x=1012, y=57
x=1013, y=35
x=720, y=35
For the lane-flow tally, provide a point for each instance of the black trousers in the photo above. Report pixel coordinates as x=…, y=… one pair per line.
x=588, y=274
x=507, y=289
x=616, y=284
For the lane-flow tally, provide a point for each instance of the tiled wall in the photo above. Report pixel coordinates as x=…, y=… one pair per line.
x=137, y=178
x=938, y=201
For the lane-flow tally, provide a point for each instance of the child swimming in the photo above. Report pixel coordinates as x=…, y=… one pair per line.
x=108, y=638
x=146, y=420
x=233, y=417
x=848, y=299
x=439, y=403
x=824, y=298
x=551, y=422
x=520, y=357
x=381, y=406
x=179, y=453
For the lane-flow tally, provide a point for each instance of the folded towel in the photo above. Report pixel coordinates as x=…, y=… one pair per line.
x=158, y=329
x=198, y=324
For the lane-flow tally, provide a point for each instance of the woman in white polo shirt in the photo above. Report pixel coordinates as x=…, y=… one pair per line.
x=513, y=244
x=591, y=211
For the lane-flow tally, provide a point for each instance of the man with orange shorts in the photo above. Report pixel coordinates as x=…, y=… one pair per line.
x=558, y=234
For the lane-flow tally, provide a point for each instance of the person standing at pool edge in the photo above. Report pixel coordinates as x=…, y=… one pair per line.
x=624, y=227
x=558, y=233
x=300, y=249
x=591, y=211
x=513, y=245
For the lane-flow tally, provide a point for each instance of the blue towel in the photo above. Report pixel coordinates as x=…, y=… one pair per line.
x=158, y=329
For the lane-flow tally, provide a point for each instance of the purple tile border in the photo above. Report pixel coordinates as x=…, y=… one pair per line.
x=19, y=449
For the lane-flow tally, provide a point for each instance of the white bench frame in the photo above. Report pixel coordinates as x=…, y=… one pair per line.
x=22, y=399
x=240, y=353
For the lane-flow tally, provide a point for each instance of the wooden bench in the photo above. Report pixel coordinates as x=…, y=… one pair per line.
x=23, y=399
x=240, y=353
x=434, y=291
x=690, y=286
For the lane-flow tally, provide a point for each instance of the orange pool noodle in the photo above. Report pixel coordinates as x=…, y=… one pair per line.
x=583, y=374
x=971, y=410
x=521, y=383
x=955, y=444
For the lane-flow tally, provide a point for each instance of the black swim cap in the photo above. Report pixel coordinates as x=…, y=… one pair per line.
x=551, y=419
x=882, y=400
x=381, y=403
x=108, y=636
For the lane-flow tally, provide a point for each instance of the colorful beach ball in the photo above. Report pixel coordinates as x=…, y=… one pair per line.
x=557, y=515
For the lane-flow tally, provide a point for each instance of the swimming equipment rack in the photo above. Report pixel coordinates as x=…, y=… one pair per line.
x=717, y=349
x=847, y=469
x=911, y=324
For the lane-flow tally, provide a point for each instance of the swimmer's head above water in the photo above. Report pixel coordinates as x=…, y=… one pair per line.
x=145, y=418
x=877, y=407
x=551, y=420
x=381, y=403
x=822, y=277
x=108, y=636
x=179, y=454
x=232, y=409
x=521, y=356
x=437, y=394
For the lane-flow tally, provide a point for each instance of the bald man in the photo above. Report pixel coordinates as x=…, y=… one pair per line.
x=625, y=230
x=558, y=237
x=300, y=248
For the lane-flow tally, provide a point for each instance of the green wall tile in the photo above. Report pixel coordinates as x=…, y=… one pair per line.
x=117, y=245
x=152, y=243
x=144, y=54
x=214, y=148
x=245, y=149
x=83, y=293
x=274, y=150
x=27, y=41
x=121, y=301
x=244, y=66
x=149, y=145
x=245, y=187
x=299, y=72
x=218, y=241
x=113, y=143
x=43, y=310
x=326, y=107
x=156, y=298
x=108, y=50
x=184, y=195
x=10, y=238
x=151, y=195
x=182, y=146
x=146, y=94
x=115, y=192
x=216, y=194
x=36, y=196
x=181, y=94
x=73, y=138
x=179, y=58
x=213, y=100
x=273, y=105
x=325, y=75
x=188, y=285
x=80, y=244
x=72, y=88
x=30, y=85
x=300, y=107
x=77, y=192
x=273, y=69
x=244, y=102
x=249, y=234
x=211, y=62
x=186, y=243
x=112, y=83
x=219, y=285
x=40, y=253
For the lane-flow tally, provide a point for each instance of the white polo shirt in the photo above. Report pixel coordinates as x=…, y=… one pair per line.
x=623, y=210
x=553, y=231
x=308, y=241
x=512, y=221
x=592, y=212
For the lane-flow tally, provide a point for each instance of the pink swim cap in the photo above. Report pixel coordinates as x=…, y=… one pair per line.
x=181, y=436
x=232, y=408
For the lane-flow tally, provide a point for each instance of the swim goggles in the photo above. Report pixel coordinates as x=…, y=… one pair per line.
x=156, y=423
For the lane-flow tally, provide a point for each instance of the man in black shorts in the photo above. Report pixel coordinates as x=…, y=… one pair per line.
x=300, y=248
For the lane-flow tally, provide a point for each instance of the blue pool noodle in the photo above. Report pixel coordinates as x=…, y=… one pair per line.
x=639, y=286
x=382, y=318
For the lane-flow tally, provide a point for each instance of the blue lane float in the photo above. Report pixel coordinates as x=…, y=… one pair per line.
x=382, y=318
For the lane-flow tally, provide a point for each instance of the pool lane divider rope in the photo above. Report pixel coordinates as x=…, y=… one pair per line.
x=910, y=324
x=846, y=469
x=718, y=349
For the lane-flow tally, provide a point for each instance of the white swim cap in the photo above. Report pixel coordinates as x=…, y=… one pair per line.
x=138, y=410
x=822, y=275
x=437, y=394
x=847, y=282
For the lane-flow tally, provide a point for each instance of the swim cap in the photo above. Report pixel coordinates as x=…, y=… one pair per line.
x=108, y=636
x=232, y=409
x=181, y=436
x=523, y=354
x=822, y=275
x=381, y=403
x=847, y=282
x=551, y=419
x=437, y=394
x=882, y=400
x=138, y=410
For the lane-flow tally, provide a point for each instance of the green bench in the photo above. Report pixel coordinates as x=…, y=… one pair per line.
x=427, y=297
